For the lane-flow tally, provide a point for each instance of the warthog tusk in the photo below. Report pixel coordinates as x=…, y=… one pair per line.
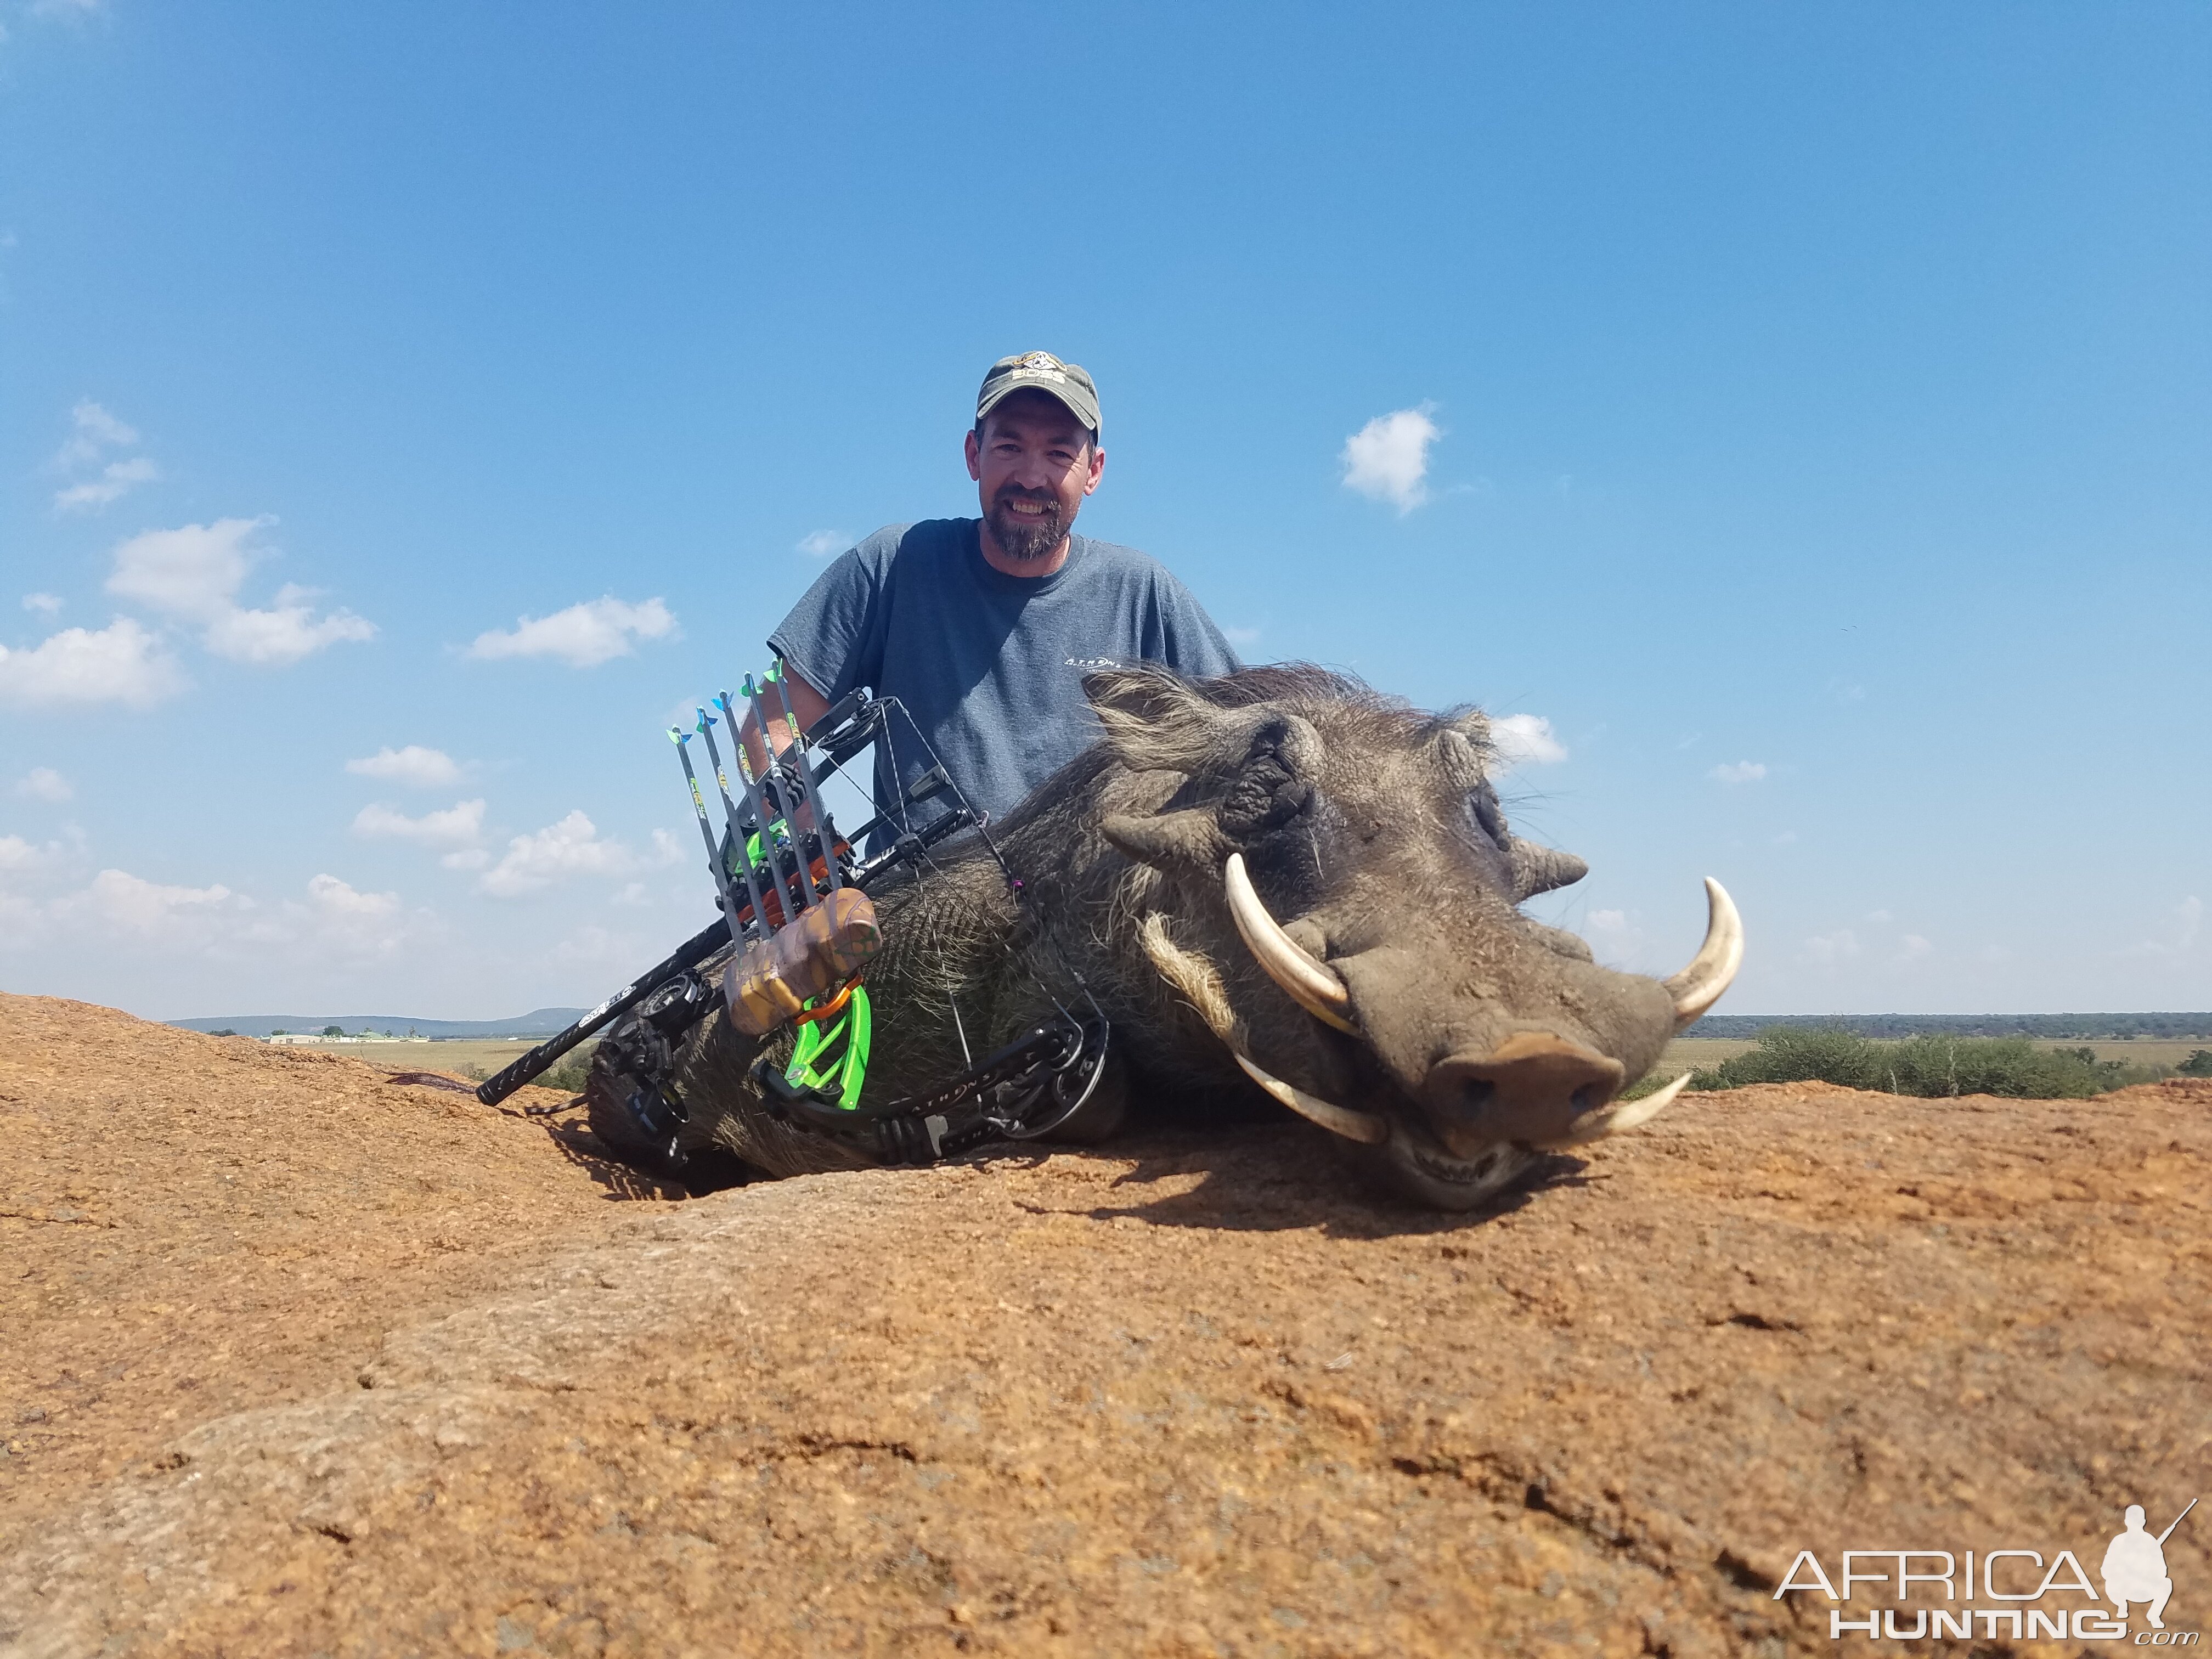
x=1625, y=1117
x=1311, y=986
x=1699, y=986
x=1337, y=1119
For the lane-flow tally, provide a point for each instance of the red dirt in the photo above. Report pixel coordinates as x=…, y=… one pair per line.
x=302, y=1362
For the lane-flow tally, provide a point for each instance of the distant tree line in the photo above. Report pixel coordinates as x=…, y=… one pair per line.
x=1929, y=1064
x=2064, y=1028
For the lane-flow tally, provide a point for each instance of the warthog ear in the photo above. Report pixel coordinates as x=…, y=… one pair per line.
x=1156, y=722
x=1188, y=840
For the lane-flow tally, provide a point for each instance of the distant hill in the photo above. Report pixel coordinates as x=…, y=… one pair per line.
x=2083, y=1028
x=542, y=1022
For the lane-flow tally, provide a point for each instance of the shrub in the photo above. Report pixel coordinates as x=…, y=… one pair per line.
x=575, y=1065
x=2199, y=1064
x=1799, y=1054
x=1933, y=1067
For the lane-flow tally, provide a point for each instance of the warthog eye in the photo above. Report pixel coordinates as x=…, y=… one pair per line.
x=1482, y=807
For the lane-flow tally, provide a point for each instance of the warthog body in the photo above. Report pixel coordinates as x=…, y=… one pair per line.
x=1453, y=1035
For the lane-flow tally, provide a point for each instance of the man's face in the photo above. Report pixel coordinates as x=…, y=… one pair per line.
x=1033, y=465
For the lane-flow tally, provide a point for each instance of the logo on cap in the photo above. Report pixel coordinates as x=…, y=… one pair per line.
x=1039, y=360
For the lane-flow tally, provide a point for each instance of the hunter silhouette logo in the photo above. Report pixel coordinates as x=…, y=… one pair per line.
x=2018, y=1594
x=2135, y=1567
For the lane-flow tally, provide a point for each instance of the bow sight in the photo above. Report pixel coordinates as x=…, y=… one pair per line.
x=797, y=931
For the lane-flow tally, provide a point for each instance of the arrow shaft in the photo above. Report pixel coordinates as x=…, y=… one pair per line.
x=768, y=779
x=707, y=835
x=730, y=812
x=822, y=824
x=756, y=806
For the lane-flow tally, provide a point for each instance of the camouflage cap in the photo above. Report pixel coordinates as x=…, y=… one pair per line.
x=1042, y=372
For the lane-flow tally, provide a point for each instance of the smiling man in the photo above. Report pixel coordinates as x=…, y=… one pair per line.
x=984, y=628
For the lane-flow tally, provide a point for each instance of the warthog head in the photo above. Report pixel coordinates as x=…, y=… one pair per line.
x=1325, y=874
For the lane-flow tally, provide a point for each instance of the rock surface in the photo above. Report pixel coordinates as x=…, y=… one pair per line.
x=298, y=1362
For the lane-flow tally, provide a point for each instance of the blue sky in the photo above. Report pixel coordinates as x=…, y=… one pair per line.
x=1797, y=417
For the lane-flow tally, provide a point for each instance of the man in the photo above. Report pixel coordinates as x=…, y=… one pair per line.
x=2135, y=1569
x=984, y=628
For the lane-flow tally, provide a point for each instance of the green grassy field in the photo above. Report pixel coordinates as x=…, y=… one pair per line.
x=467, y=1057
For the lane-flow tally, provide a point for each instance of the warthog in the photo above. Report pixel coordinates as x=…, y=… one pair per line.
x=1279, y=880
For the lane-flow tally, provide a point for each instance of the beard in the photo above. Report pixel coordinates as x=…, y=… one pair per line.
x=1024, y=539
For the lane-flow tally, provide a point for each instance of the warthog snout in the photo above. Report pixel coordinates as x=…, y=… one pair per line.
x=1532, y=1088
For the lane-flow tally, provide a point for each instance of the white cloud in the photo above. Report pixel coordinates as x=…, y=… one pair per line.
x=21, y=920
x=194, y=573
x=560, y=851
x=1388, y=460
x=93, y=431
x=67, y=8
x=459, y=824
x=43, y=604
x=469, y=858
x=1610, y=921
x=425, y=768
x=17, y=854
x=2192, y=916
x=1838, y=946
x=362, y=923
x=583, y=636
x=131, y=904
x=821, y=544
x=1243, y=638
x=1526, y=740
x=331, y=917
x=1912, y=947
x=116, y=480
x=285, y=635
x=121, y=663
x=43, y=783
x=1738, y=771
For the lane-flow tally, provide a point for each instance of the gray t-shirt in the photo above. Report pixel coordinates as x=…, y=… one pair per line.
x=991, y=666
